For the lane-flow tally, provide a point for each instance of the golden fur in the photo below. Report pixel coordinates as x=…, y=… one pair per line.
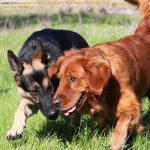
x=114, y=77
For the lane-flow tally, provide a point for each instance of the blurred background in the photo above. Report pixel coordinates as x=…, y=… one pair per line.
x=97, y=21
x=66, y=6
x=18, y=13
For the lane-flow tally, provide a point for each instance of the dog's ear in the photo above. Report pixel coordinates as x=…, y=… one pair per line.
x=98, y=74
x=54, y=68
x=15, y=65
x=40, y=53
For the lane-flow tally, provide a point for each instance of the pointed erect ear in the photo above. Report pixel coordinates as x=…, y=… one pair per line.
x=98, y=74
x=40, y=54
x=15, y=65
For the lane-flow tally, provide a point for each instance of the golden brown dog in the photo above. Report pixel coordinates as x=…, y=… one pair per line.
x=109, y=80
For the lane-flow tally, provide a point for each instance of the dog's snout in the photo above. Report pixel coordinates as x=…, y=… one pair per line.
x=53, y=114
x=57, y=102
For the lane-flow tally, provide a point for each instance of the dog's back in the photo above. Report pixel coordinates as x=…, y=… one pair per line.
x=55, y=42
x=133, y=53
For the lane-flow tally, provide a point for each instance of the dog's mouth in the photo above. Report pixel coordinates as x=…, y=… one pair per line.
x=77, y=105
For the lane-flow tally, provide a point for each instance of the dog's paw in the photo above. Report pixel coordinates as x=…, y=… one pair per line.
x=115, y=145
x=141, y=129
x=14, y=133
x=117, y=141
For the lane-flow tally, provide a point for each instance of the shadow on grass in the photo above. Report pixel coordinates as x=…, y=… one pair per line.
x=146, y=123
x=61, y=128
x=130, y=144
x=146, y=118
x=66, y=132
x=130, y=141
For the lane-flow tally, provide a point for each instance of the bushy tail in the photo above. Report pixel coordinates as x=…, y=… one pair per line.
x=144, y=6
x=135, y=2
x=144, y=26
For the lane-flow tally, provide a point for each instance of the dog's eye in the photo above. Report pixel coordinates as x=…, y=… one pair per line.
x=72, y=79
x=34, y=91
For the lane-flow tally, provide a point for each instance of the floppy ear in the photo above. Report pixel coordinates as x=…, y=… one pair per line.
x=98, y=74
x=15, y=65
x=52, y=70
x=55, y=67
x=40, y=54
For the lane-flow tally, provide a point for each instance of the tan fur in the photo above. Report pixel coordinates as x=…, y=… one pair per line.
x=37, y=65
x=20, y=117
x=27, y=69
x=45, y=83
x=26, y=95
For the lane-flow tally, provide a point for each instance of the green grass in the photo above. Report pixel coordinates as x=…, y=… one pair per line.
x=41, y=134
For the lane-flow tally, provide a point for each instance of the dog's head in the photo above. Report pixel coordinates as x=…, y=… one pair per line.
x=79, y=73
x=33, y=82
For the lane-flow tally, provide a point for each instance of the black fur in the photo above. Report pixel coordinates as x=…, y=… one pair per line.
x=55, y=42
x=52, y=43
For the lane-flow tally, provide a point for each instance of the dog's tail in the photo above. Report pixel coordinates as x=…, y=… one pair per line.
x=144, y=6
x=135, y=2
x=144, y=26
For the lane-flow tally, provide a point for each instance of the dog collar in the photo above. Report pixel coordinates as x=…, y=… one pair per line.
x=103, y=99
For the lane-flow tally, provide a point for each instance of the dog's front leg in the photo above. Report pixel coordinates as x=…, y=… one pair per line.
x=120, y=133
x=25, y=109
x=129, y=112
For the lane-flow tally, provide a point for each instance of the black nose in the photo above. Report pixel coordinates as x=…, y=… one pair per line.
x=57, y=102
x=53, y=114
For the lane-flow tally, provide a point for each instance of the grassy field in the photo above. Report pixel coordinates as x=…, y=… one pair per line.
x=41, y=134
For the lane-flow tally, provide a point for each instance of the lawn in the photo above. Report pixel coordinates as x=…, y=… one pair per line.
x=40, y=133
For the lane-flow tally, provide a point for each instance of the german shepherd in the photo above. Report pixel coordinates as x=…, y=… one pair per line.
x=29, y=69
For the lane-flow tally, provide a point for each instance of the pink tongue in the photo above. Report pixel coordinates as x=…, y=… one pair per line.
x=70, y=111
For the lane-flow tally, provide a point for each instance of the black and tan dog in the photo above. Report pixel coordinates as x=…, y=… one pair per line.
x=29, y=70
